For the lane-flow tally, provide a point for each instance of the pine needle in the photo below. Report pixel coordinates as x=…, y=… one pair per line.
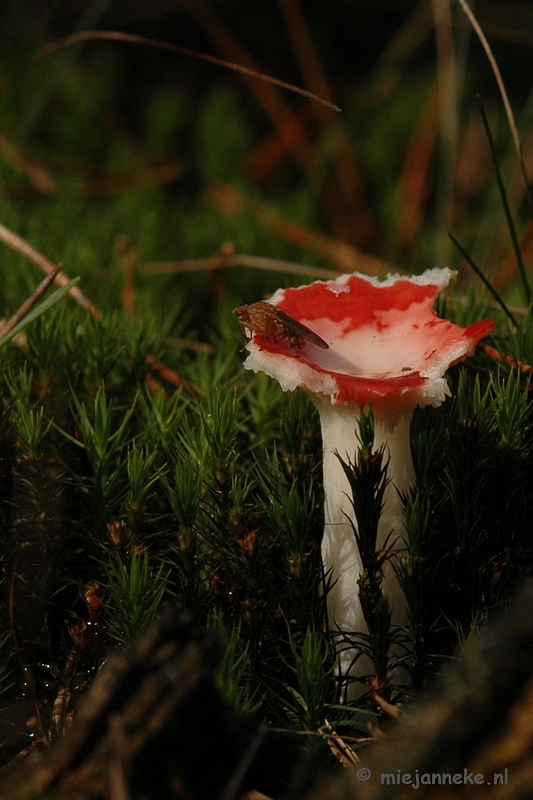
x=119, y=36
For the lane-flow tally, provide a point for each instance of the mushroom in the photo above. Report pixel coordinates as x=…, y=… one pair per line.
x=378, y=343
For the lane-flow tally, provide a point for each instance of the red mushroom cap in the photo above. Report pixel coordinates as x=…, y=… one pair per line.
x=385, y=340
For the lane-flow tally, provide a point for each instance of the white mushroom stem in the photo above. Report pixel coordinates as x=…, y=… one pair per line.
x=385, y=342
x=342, y=562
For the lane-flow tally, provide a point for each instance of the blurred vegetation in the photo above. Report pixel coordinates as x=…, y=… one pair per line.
x=140, y=464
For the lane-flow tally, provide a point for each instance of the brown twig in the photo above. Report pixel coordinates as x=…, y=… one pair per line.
x=119, y=36
x=28, y=304
x=527, y=369
x=21, y=246
x=53, y=273
x=223, y=260
x=340, y=749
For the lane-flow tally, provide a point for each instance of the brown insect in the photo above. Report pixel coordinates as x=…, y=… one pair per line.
x=273, y=323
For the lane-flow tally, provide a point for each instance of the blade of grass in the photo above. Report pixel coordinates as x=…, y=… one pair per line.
x=507, y=210
x=499, y=80
x=21, y=246
x=40, y=309
x=28, y=304
x=119, y=36
x=480, y=275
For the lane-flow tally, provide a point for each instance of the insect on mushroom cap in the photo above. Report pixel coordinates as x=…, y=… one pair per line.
x=274, y=324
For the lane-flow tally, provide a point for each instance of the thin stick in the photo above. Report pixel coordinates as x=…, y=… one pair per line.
x=21, y=246
x=234, y=260
x=28, y=304
x=499, y=80
x=507, y=210
x=480, y=275
x=497, y=355
x=118, y=36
